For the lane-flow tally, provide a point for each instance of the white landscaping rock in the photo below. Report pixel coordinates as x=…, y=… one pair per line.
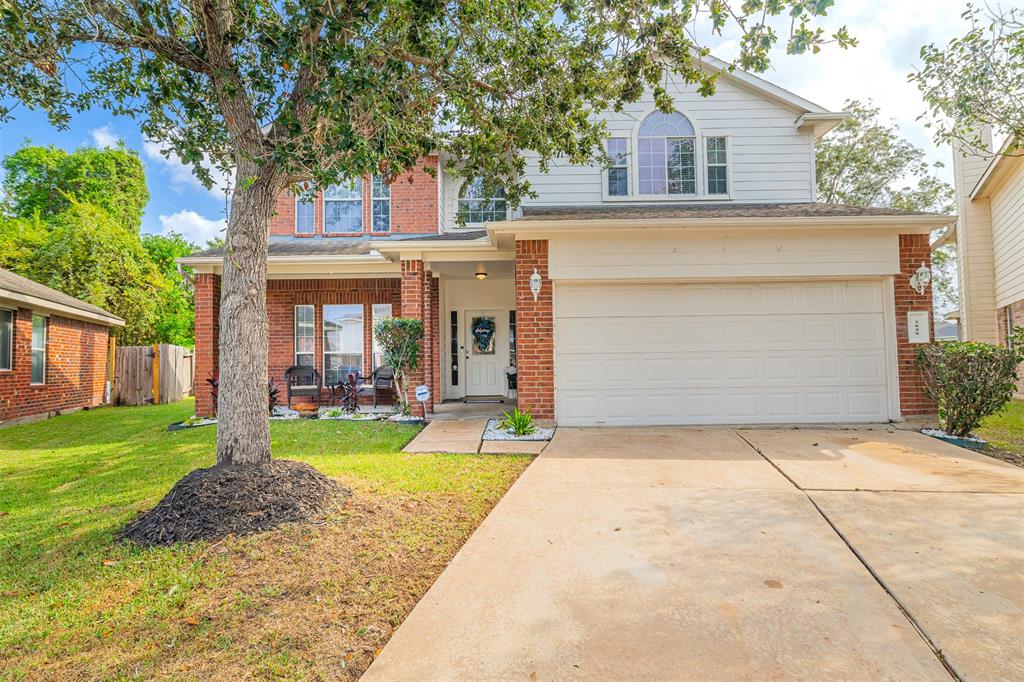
x=495, y=432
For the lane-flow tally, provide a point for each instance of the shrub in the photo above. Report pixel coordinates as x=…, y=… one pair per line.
x=969, y=381
x=399, y=339
x=519, y=423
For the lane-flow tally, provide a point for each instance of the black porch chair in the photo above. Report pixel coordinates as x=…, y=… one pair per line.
x=381, y=383
x=303, y=382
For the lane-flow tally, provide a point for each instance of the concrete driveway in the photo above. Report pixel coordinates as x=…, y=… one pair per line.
x=733, y=554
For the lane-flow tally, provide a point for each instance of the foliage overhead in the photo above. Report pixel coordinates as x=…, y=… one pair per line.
x=302, y=90
x=968, y=380
x=977, y=80
x=45, y=180
x=175, y=313
x=863, y=162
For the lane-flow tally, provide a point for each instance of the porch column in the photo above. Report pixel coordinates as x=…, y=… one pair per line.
x=534, y=331
x=414, y=288
x=207, y=330
x=435, y=325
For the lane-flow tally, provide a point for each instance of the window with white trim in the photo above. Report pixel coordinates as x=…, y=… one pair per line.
x=618, y=172
x=343, y=342
x=718, y=159
x=381, y=311
x=305, y=335
x=380, y=193
x=305, y=214
x=343, y=207
x=481, y=201
x=666, y=155
x=6, y=339
x=38, y=349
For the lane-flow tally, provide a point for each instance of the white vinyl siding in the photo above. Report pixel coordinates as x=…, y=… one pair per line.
x=721, y=353
x=305, y=335
x=1007, y=204
x=6, y=339
x=38, y=349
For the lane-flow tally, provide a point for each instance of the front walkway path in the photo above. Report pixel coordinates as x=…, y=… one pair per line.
x=686, y=554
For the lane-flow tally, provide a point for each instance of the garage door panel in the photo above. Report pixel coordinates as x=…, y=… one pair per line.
x=720, y=353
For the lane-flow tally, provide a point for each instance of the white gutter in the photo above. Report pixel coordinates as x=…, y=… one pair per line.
x=37, y=303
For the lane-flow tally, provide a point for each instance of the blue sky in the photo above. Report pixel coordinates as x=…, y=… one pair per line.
x=890, y=35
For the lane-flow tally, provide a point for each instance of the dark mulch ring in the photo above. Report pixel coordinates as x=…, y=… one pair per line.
x=209, y=504
x=1005, y=455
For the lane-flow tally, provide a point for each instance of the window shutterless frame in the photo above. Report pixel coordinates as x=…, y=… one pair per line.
x=616, y=177
x=343, y=208
x=305, y=214
x=343, y=342
x=380, y=205
x=305, y=335
x=39, y=329
x=6, y=340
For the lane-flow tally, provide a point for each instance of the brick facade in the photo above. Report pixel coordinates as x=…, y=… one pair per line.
x=207, y=331
x=534, y=331
x=416, y=299
x=76, y=368
x=914, y=250
x=1006, y=316
x=413, y=206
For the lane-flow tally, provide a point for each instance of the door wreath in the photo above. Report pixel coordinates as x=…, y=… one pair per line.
x=483, y=335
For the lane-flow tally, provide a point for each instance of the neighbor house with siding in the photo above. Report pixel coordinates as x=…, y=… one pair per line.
x=694, y=280
x=54, y=351
x=989, y=238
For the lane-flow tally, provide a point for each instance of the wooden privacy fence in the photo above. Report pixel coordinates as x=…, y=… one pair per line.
x=155, y=374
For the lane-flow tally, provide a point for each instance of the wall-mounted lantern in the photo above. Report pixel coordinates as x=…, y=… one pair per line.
x=921, y=278
x=535, y=284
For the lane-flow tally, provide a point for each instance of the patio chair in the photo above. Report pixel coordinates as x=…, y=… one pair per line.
x=303, y=382
x=381, y=383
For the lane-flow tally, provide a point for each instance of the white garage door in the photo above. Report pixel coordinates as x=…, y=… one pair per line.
x=720, y=353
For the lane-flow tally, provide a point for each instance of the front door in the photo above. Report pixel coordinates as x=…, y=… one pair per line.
x=485, y=351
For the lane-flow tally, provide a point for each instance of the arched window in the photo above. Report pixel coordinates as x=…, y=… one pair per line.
x=666, y=155
x=481, y=202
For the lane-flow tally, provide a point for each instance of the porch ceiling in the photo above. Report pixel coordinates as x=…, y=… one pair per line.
x=496, y=269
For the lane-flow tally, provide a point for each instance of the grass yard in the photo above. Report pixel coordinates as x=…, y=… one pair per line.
x=1005, y=430
x=308, y=601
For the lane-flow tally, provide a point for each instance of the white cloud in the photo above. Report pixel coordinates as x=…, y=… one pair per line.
x=181, y=175
x=192, y=226
x=104, y=137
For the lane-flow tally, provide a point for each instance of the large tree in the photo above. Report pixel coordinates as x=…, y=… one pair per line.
x=318, y=91
x=977, y=79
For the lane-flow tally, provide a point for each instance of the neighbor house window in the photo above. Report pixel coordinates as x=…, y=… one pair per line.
x=343, y=207
x=618, y=173
x=305, y=335
x=717, y=166
x=481, y=201
x=381, y=311
x=6, y=339
x=666, y=156
x=343, y=342
x=305, y=214
x=381, y=198
x=38, y=349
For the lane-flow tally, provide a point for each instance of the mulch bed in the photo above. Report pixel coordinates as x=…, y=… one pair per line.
x=1005, y=455
x=209, y=504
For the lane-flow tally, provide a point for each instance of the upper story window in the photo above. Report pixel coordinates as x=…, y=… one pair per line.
x=481, y=201
x=381, y=198
x=343, y=207
x=666, y=153
x=305, y=214
x=618, y=173
x=718, y=182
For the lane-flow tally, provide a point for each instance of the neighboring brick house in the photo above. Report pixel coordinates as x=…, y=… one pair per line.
x=695, y=280
x=989, y=237
x=54, y=350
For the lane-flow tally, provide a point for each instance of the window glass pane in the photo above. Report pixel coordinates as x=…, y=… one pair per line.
x=343, y=342
x=660, y=124
x=38, y=349
x=481, y=202
x=381, y=189
x=618, y=150
x=381, y=311
x=682, y=178
x=651, y=158
x=618, y=174
x=618, y=182
x=305, y=335
x=6, y=338
x=343, y=207
x=717, y=164
x=717, y=183
x=381, y=215
x=304, y=214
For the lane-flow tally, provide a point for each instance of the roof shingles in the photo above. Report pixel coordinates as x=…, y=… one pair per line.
x=17, y=284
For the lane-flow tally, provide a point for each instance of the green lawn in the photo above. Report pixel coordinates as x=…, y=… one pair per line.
x=1005, y=430
x=309, y=600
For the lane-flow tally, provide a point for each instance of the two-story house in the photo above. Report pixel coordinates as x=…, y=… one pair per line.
x=695, y=281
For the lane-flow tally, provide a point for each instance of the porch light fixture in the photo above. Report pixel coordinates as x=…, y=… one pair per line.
x=481, y=272
x=920, y=279
x=535, y=284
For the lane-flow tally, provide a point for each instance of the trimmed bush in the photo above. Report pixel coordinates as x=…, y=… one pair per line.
x=968, y=380
x=399, y=339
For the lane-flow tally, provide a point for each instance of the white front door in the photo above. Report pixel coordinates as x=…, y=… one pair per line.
x=485, y=351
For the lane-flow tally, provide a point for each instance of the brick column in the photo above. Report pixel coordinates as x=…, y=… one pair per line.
x=534, y=331
x=435, y=316
x=207, y=329
x=429, y=357
x=914, y=250
x=414, y=287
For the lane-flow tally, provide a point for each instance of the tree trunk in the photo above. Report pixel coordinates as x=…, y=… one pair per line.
x=243, y=430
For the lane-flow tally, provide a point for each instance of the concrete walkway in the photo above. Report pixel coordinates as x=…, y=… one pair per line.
x=465, y=436
x=689, y=554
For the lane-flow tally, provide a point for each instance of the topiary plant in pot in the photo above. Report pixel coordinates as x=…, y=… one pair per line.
x=969, y=380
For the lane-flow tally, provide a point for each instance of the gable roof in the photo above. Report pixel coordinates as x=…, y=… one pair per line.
x=23, y=291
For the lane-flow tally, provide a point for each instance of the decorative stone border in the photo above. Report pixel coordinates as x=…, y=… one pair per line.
x=970, y=442
x=495, y=432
